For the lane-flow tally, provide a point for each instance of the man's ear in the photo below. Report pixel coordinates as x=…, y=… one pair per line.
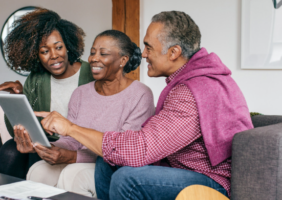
x=175, y=52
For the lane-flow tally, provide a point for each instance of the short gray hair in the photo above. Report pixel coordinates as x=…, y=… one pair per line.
x=179, y=29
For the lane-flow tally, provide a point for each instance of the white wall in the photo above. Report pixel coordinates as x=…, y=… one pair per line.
x=93, y=16
x=220, y=25
x=219, y=22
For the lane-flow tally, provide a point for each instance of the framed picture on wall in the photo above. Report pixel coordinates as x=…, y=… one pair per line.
x=261, y=34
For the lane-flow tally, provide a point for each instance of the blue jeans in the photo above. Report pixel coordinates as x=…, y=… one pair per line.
x=148, y=182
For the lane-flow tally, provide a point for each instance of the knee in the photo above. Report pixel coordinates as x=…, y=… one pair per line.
x=125, y=181
x=78, y=172
x=125, y=178
x=66, y=175
x=35, y=170
x=10, y=146
x=78, y=178
x=121, y=182
x=129, y=175
x=123, y=174
x=42, y=172
x=9, y=152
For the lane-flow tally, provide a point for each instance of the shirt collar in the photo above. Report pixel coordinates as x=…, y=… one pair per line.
x=172, y=76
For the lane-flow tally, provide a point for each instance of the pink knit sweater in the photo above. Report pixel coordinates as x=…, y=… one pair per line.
x=126, y=110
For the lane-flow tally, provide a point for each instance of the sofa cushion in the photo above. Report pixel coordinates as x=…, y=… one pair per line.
x=257, y=163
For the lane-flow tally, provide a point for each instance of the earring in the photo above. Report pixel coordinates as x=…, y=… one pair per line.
x=67, y=51
x=120, y=65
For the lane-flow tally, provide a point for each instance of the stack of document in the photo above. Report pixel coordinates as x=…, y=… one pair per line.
x=23, y=189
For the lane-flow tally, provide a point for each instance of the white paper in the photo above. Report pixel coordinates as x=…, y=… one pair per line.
x=23, y=189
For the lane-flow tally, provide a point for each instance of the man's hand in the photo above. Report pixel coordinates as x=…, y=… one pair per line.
x=21, y=137
x=12, y=87
x=54, y=123
x=55, y=155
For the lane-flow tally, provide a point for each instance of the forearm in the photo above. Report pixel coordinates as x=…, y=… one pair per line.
x=90, y=138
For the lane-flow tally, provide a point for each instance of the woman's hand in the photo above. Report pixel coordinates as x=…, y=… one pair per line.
x=21, y=137
x=54, y=123
x=55, y=155
x=12, y=87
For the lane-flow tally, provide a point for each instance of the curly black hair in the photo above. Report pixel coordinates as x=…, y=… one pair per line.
x=127, y=48
x=21, y=46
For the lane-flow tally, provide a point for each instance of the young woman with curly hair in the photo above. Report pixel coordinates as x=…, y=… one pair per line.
x=49, y=47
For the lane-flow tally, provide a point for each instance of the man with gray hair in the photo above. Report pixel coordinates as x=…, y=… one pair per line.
x=178, y=29
x=188, y=140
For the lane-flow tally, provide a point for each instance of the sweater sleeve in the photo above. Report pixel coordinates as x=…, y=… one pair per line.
x=84, y=155
x=143, y=109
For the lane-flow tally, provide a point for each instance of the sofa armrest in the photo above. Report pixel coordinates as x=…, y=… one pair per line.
x=266, y=120
x=257, y=164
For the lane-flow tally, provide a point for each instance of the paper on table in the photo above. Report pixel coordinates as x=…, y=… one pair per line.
x=23, y=189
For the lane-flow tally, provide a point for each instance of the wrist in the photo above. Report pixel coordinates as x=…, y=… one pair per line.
x=67, y=156
x=73, y=157
x=72, y=130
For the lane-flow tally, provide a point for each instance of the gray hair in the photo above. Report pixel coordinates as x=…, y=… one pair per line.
x=179, y=29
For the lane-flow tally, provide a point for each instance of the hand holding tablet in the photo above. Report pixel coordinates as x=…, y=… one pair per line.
x=21, y=137
x=19, y=112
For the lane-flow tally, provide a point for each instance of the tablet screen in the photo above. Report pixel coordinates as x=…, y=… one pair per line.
x=19, y=112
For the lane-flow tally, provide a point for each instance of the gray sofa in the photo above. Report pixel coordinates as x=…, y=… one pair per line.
x=257, y=161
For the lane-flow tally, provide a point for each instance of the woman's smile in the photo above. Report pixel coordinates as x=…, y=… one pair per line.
x=56, y=65
x=96, y=69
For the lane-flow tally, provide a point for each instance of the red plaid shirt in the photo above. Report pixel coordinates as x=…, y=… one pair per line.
x=173, y=134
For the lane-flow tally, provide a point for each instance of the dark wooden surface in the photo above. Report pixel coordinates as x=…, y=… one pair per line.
x=5, y=179
x=70, y=196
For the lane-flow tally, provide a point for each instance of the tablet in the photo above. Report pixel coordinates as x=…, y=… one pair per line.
x=18, y=110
